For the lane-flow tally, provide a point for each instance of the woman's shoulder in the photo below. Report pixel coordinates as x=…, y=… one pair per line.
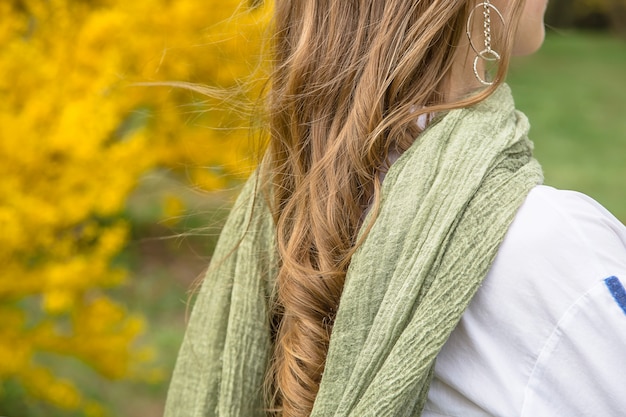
x=549, y=215
x=551, y=309
x=562, y=233
x=561, y=246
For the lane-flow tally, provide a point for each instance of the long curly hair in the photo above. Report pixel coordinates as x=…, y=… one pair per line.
x=350, y=79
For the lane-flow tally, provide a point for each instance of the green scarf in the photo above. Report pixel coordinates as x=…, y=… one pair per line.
x=447, y=203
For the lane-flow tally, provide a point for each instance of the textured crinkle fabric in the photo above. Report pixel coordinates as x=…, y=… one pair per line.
x=447, y=203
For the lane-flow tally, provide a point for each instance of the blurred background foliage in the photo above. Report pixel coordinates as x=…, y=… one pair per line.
x=112, y=191
x=588, y=14
x=76, y=137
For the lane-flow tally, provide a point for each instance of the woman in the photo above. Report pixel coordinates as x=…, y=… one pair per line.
x=397, y=218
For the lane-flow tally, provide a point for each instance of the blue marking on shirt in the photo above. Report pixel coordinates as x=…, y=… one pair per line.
x=617, y=291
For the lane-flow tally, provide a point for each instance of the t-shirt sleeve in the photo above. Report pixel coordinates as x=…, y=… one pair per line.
x=581, y=370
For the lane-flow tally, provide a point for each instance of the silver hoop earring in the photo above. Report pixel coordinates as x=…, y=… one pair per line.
x=486, y=54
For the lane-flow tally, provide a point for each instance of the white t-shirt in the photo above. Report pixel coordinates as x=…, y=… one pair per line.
x=545, y=334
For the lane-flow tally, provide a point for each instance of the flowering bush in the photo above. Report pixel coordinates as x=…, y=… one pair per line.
x=75, y=137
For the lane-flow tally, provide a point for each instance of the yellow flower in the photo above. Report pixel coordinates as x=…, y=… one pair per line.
x=76, y=135
x=58, y=301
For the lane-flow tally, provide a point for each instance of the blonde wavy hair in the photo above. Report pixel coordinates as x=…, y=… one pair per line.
x=350, y=79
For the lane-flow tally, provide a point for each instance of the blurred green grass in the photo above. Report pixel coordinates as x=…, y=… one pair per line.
x=574, y=93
